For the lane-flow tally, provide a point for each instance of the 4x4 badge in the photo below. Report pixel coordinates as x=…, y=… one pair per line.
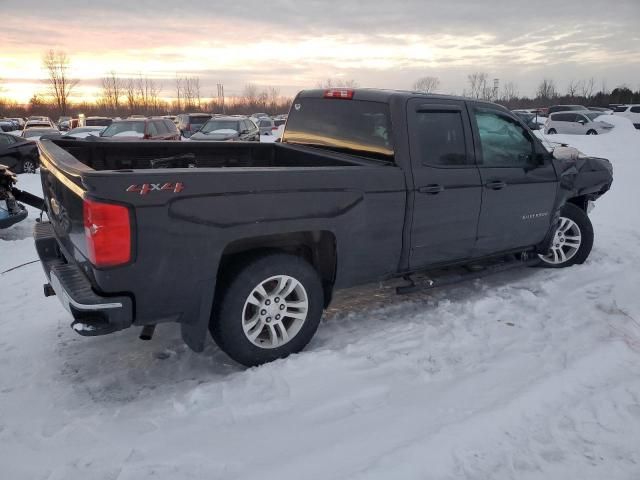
x=156, y=187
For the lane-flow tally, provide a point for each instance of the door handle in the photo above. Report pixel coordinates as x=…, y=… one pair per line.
x=431, y=189
x=495, y=185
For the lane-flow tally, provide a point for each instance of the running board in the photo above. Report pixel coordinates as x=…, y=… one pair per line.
x=472, y=272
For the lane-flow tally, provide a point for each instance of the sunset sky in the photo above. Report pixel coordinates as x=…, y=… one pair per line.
x=295, y=44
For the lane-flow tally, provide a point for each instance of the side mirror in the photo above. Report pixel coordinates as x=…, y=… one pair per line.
x=581, y=122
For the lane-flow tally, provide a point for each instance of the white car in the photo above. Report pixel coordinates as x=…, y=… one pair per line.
x=632, y=112
x=84, y=132
x=576, y=123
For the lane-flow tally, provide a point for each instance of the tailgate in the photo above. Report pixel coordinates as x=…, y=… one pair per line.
x=63, y=195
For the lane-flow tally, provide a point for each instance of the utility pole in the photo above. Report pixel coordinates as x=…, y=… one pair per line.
x=496, y=87
x=221, y=96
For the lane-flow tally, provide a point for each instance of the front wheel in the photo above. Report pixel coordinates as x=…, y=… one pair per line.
x=269, y=308
x=28, y=165
x=572, y=240
x=592, y=132
x=551, y=131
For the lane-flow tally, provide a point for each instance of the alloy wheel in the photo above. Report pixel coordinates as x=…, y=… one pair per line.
x=275, y=311
x=566, y=243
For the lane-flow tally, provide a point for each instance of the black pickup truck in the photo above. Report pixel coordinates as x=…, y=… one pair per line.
x=249, y=241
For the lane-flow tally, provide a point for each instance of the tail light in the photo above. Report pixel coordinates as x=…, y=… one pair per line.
x=344, y=93
x=107, y=230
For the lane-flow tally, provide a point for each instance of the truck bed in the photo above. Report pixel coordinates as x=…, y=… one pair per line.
x=108, y=155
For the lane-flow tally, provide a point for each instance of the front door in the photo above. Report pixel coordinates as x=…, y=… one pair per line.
x=519, y=183
x=447, y=190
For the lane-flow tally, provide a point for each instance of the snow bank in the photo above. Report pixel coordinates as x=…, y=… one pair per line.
x=533, y=374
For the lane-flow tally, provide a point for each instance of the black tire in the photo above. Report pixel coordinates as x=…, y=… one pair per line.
x=592, y=132
x=551, y=131
x=226, y=325
x=581, y=219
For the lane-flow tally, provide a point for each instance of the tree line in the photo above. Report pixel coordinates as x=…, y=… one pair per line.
x=123, y=96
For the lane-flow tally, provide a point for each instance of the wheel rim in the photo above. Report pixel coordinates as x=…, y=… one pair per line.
x=566, y=242
x=28, y=166
x=275, y=311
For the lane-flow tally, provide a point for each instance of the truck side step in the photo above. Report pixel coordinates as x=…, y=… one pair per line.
x=461, y=274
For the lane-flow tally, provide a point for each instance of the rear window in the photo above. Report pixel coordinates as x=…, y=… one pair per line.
x=198, y=119
x=349, y=126
x=620, y=108
x=124, y=129
x=265, y=123
x=98, y=122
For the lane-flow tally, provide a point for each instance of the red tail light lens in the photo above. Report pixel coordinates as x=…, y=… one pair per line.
x=344, y=93
x=108, y=232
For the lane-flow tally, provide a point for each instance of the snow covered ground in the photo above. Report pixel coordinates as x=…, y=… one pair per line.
x=533, y=374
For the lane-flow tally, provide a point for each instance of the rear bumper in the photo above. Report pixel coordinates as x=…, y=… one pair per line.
x=93, y=314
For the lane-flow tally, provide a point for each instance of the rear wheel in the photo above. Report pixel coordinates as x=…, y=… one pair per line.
x=592, y=132
x=572, y=240
x=270, y=308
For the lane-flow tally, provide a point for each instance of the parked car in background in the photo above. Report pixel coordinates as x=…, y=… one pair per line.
x=63, y=123
x=38, y=124
x=576, y=123
x=18, y=120
x=146, y=129
x=40, y=118
x=8, y=125
x=266, y=126
x=189, y=123
x=20, y=155
x=97, y=121
x=259, y=115
x=84, y=132
x=279, y=121
x=228, y=129
x=35, y=133
x=603, y=110
x=632, y=112
x=566, y=108
x=531, y=119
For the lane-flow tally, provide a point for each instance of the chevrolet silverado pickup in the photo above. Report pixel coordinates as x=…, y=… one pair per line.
x=249, y=240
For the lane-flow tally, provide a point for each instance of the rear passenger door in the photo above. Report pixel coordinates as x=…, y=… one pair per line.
x=518, y=183
x=447, y=190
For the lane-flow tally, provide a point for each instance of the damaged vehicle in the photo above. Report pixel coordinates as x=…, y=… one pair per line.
x=248, y=241
x=11, y=210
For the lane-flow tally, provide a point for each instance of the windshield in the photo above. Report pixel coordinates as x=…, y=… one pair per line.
x=213, y=125
x=350, y=126
x=119, y=128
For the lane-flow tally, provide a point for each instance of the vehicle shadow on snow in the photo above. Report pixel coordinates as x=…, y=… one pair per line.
x=121, y=368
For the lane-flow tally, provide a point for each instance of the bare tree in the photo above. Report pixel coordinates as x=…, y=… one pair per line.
x=112, y=91
x=478, y=85
x=189, y=89
x=426, y=84
x=509, y=92
x=130, y=94
x=573, y=87
x=179, y=93
x=547, y=89
x=587, y=87
x=56, y=64
x=250, y=94
x=147, y=93
x=337, y=83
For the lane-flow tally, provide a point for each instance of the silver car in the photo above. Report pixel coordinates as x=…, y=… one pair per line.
x=266, y=125
x=576, y=123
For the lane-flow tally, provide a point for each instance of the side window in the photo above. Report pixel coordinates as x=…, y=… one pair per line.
x=161, y=127
x=582, y=118
x=5, y=140
x=504, y=143
x=152, y=129
x=171, y=127
x=440, y=139
x=635, y=109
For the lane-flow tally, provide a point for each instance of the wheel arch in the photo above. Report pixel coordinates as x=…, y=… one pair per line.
x=318, y=247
